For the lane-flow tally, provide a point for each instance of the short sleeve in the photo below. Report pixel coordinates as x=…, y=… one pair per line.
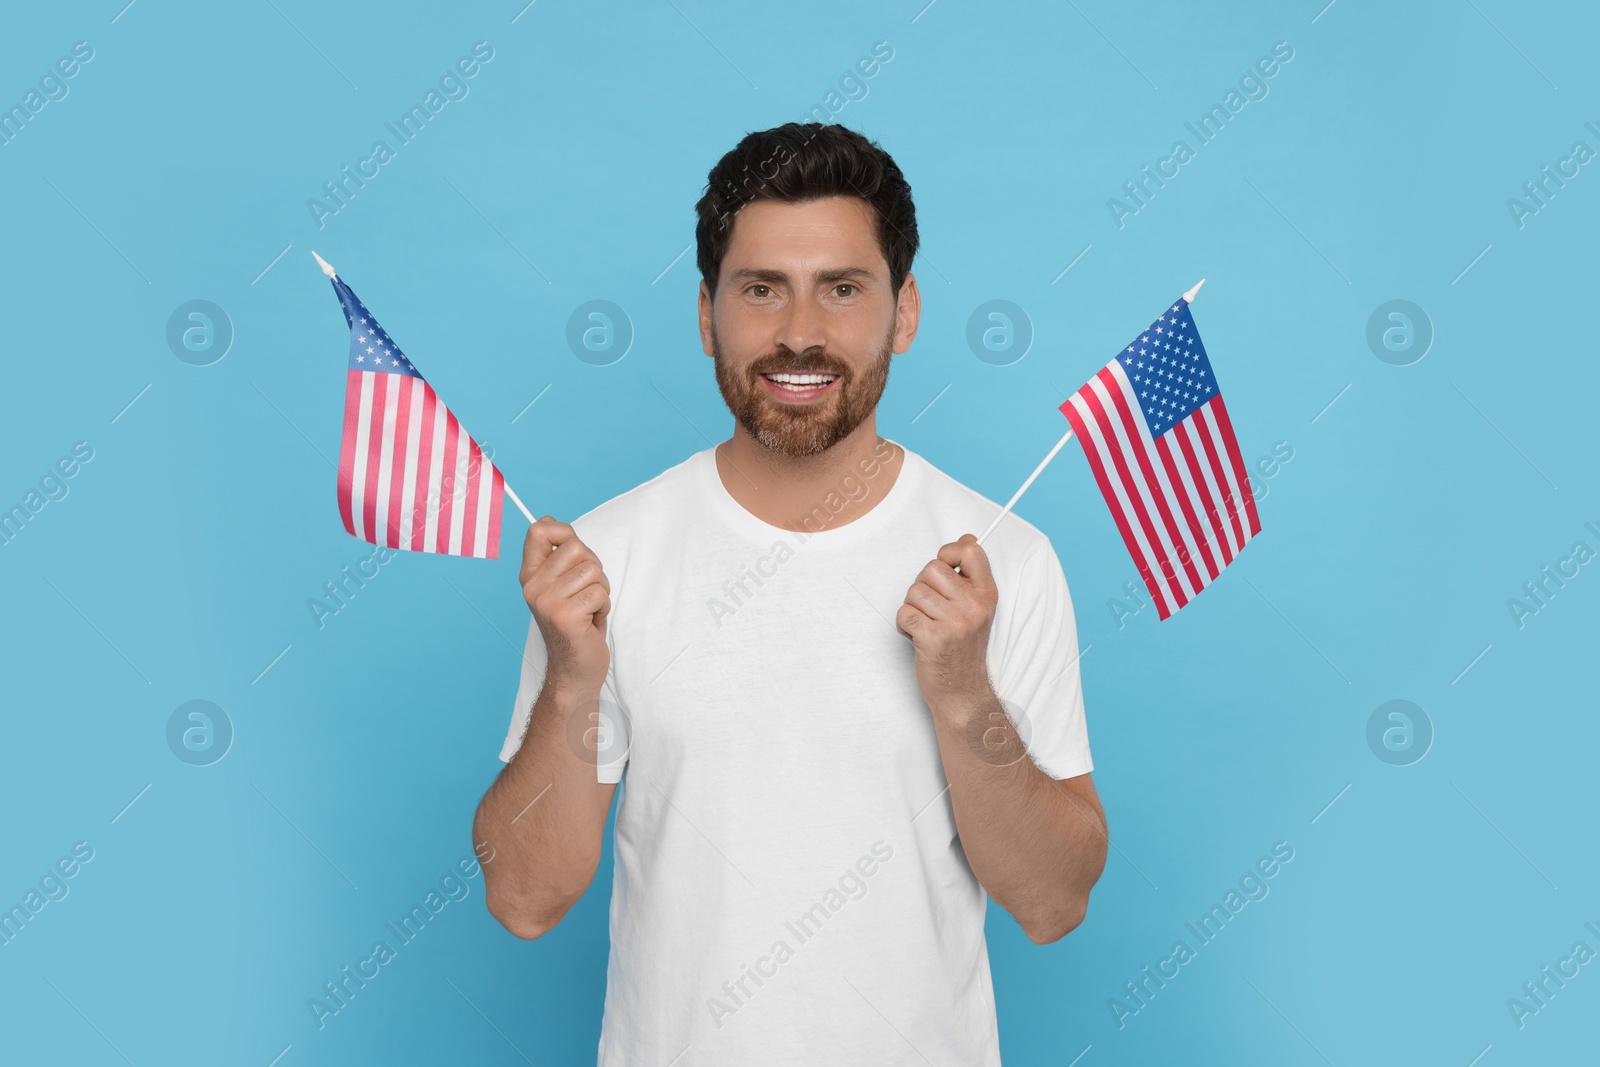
x=611, y=730
x=1035, y=667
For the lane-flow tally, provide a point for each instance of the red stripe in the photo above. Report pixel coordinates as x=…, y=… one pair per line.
x=1232, y=445
x=1196, y=472
x=347, y=446
x=497, y=498
x=374, y=457
x=1136, y=445
x=1210, y=447
x=447, y=482
x=1181, y=491
x=469, y=521
x=397, y=463
x=419, y=506
x=1165, y=567
x=1092, y=454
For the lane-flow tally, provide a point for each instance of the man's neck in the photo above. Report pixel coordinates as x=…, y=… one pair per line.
x=810, y=493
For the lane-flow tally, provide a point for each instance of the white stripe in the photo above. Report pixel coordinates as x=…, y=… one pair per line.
x=1180, y=577
x=1196, y=501
x=480, y=535
x=391, y=413
x=1097, y=442
x=1173, y=505
x=1192, y=431
x=408, y=485
x=1239, y=491
x=358, y=466
x=458, y=493
x=430, y=533
x=1201, y=435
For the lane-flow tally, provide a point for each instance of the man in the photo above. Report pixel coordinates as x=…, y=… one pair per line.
x=823, y=781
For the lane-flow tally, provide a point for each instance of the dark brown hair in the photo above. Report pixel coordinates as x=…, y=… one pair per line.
x=797, y=162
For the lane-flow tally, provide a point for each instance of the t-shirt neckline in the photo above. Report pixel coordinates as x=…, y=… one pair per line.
x=734, y=513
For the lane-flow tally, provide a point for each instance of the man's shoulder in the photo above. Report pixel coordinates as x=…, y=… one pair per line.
x=965, y=510
x=641, y=508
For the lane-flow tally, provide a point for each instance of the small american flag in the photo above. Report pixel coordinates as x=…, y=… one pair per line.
x=409, y=476
x=1157, y=436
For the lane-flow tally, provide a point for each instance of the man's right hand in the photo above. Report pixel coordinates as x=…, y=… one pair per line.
x=567, y=590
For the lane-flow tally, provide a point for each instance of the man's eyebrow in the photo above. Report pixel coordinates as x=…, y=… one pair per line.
x=768, y=274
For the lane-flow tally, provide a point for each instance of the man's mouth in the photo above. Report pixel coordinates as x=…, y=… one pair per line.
x=792, y=387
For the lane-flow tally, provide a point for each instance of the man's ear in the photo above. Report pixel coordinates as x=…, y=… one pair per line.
x=705, y=319
x=907, y=314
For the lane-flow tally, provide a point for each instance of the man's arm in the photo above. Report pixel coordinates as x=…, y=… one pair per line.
x=539, y=828
x=1037, y=844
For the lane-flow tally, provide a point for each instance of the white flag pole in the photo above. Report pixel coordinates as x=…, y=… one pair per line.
x=327, y=268
x=1188, y=298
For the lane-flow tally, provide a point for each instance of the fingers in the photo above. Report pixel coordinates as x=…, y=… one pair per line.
x=967, y=554
x=551, y=548
x=928, y=599
x=909, y=620
x=546, y=534
x=583, y=572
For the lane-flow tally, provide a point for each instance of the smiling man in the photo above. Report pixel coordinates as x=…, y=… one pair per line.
x=841, y=725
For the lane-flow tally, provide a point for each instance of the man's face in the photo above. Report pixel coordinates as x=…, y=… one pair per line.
x=804, y=322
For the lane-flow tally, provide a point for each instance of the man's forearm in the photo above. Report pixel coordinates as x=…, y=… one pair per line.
x=1034, y=843
x=543, y=819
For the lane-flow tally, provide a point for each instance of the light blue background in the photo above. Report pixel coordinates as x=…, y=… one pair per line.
x=180, y=564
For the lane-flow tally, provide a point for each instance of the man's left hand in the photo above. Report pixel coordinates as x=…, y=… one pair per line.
x=947, y=615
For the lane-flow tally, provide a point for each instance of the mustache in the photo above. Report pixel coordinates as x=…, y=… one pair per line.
x=790, y=362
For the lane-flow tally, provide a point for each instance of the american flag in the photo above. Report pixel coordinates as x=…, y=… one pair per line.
x=1157, y=436
x=409, y=475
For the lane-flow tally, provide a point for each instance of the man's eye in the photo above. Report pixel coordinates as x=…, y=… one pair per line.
x=760, y=290
x=844, y=285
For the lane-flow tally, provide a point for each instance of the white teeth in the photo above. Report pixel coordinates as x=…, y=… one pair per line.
x=800, y=379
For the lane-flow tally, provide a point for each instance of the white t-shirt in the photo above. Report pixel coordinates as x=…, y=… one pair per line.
x=788, y=885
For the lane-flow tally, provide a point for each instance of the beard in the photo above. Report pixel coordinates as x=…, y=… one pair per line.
x=801, y=429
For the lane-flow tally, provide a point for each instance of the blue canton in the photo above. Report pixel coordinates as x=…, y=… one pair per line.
x=370, y=347
x=1169, y=370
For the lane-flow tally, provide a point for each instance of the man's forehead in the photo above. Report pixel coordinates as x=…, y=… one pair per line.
x=828, y=227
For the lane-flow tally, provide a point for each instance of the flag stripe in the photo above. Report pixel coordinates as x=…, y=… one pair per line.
x=1138, y=436
x=1094, y=447
x=1162, y=552
x=1230, y=444
x=480, y=523
x=449, y=533
x=395, y=469
x=1208, y=501
x=358, y=496
x=347, y=445
x=497, y=499
x=469, y=513
x=379, y=490
x=441, y=426
x=408, y=480
x=1176, y=479
x=419, y=497
x=1230, y=498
